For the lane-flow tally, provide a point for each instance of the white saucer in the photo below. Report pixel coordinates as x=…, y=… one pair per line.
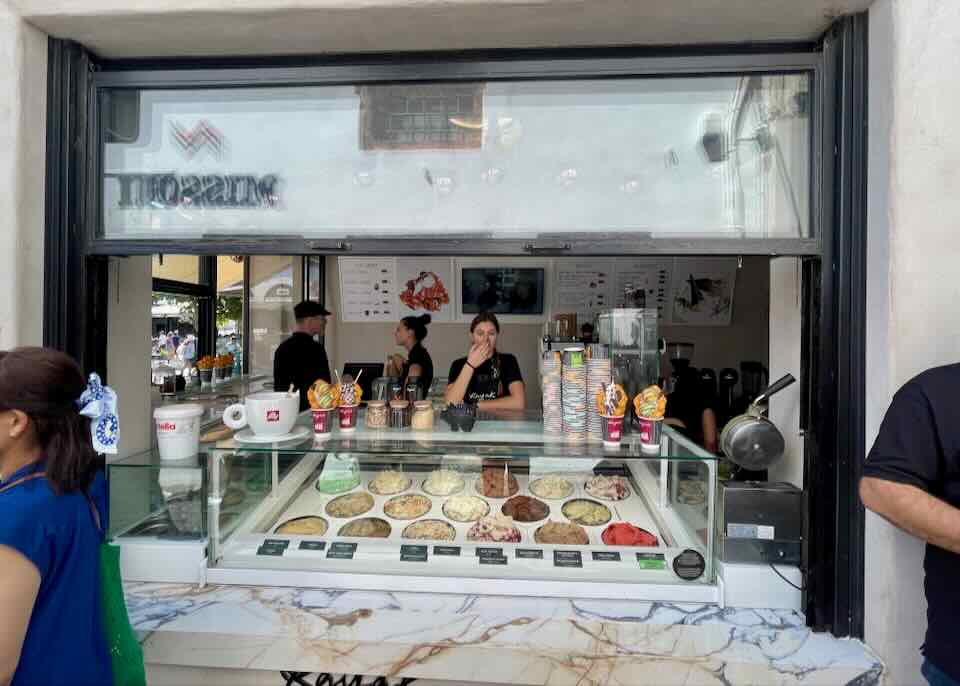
x=247, y=436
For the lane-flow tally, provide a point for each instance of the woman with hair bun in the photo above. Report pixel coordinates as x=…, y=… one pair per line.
x=53, y=511
x=418, y=364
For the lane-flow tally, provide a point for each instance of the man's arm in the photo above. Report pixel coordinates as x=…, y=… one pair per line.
x=913, y=510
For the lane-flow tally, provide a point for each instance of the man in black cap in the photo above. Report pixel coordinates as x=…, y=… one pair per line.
x=300, y=360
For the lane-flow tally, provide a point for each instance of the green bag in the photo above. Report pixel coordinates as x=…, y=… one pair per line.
x=126, y=655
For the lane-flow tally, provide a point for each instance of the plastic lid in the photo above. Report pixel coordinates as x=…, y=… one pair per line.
x=184, y=411
x=423, y=404
x=399, y=403
x=377, y=403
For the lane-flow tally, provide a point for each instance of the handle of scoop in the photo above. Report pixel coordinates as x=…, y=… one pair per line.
x=775, y=387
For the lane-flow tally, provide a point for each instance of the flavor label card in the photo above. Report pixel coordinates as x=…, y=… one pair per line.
x=567, y=558
x=493, y=560
x=278, y=542
x=489, y=552
x=605, y=556
x=529, y=554
x=448, y=550
x=413, y=553
x=271, y=550
x=312, y=545
x=342, y=551
x=651, y=561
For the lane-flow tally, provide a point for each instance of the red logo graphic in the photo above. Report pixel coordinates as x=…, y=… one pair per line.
x=273, y=415
x=202, y=136
x=166, y=426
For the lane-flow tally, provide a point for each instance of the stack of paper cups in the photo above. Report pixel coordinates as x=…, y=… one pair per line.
x=598, y=376
x=552, y=383
x=574, y=394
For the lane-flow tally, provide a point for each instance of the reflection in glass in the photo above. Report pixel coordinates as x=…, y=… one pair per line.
x=694, y=156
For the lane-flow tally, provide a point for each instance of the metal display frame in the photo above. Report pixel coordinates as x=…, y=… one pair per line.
x=75, y=280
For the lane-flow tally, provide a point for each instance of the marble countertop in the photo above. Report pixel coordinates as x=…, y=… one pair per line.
x=488, y=639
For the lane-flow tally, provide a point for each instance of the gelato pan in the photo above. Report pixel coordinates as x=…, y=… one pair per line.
x=497, y=482
x=608, y=487
x=443, y=482
x=407, y=506
x=350, y=505
x=466, y=508
x=389, y=482
x=586, y=512
x=430, y=530
x=561, y=533
x=368, y=527
x=551, y=487
x=523, y=508
x=495, y=529
x=303, y=526
x=622, y=533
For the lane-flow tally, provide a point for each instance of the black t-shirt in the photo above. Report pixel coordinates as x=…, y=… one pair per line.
x=919, y=445
x=491, y=380
x=420, y=356
x=300, y=361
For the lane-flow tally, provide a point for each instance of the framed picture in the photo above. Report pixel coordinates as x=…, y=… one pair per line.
x=513, y=289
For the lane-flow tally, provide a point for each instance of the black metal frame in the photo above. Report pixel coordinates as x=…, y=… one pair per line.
x=833, y=266
x=836, y=350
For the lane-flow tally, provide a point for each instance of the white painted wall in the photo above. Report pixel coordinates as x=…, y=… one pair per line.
x=785, y=345
x=23, y=83
x=912, y=319
x=128, y=349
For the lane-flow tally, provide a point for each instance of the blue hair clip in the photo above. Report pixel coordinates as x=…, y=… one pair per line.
x=99, y=403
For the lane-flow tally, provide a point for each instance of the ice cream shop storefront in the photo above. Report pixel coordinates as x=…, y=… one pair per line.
x=698, y=209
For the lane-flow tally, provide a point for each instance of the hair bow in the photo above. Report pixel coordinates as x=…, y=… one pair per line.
x=99, y=403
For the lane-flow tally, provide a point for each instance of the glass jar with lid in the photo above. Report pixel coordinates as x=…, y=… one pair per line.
x=422, y=415
x=399, y=414
x=377, y=415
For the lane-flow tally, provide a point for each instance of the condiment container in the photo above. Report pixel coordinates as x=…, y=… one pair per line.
x=422, y=415
x=178, y=431
x=399, y=414
x=377, y=414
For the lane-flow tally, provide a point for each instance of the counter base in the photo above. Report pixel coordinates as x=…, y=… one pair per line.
x=254, y=633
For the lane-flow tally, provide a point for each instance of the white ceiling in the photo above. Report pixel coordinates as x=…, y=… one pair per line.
x=157, y=28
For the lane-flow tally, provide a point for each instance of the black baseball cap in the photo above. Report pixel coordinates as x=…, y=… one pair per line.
x=310, y=308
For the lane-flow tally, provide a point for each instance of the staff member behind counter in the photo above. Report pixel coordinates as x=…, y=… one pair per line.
x=410, y=333
x=300, y=360
x=485, y=376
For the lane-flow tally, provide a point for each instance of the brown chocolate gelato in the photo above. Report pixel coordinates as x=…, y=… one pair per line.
x=523, y=508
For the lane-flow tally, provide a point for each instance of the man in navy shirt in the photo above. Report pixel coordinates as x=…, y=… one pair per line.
x=912, y=479
x=301, y=360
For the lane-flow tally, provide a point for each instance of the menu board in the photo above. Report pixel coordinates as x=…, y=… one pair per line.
x=585, y=287
x=652, y=275
x=368, y=289
x=425, y=286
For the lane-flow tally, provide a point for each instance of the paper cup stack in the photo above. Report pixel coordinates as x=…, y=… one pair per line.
x=598, y=376
x=551, y=383
x=574, y=395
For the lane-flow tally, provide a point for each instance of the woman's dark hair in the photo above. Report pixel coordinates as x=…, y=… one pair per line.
x=45, y=385
x=485, y=317
x=418, y=325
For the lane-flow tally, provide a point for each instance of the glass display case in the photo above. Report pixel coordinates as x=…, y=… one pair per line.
x=503, y=509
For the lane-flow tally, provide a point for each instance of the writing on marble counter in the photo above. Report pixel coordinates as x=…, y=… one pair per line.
x=328, y=679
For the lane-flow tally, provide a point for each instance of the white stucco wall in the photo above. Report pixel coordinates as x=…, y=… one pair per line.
x=23, y=85
x=913, y=319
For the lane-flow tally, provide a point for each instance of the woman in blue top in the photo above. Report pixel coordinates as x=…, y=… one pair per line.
x=51, y=632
